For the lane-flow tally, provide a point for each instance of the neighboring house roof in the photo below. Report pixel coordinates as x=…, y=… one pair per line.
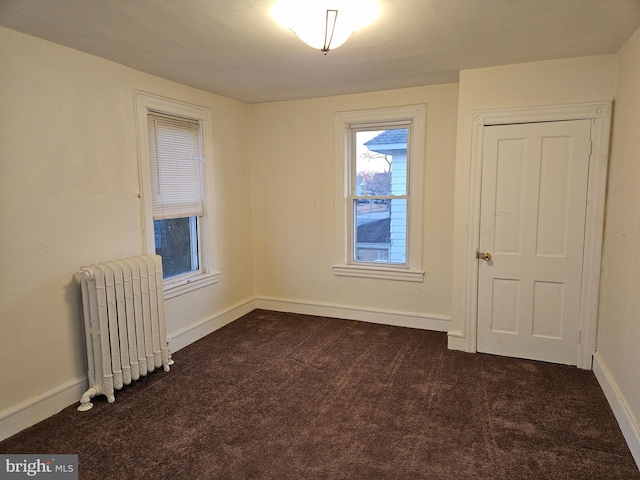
x=378, y=231
x=397, y=135
x=388, y=141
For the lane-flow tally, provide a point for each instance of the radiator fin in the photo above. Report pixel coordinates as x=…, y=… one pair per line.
x=123, y=309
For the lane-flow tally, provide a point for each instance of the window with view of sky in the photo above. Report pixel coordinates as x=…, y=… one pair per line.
x=380, y=196
x=379, y=157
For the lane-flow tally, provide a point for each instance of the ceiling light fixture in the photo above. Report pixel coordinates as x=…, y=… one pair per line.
x=325, y=24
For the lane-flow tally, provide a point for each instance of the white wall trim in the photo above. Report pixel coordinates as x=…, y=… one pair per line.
x=367, y=271
x=22, y=416
x=190, y=284
x=194, y=332
x=628, y=424
x=464, y=333
x=415, y=118
x=34, y=410
x=439, y=323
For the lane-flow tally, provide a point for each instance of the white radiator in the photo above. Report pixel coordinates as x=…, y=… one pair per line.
x=123, y=309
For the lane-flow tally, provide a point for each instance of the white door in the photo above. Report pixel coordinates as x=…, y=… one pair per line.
x=532, y=219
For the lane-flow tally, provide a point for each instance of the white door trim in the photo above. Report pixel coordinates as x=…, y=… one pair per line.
x=600, y=116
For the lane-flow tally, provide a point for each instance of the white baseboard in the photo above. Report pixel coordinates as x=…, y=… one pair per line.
x=15, y=419
x=628, y=424
x=29, y=413
x=457, y=341
x=186, y=336
x=438, y=323
x=49, y=403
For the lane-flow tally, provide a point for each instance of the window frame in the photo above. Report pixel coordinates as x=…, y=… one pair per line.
x=206, y=274
x=412, y=117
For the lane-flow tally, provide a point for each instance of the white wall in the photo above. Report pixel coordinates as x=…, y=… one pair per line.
x=294, y=180
x=68, y=197
x=618, y=346
x=69, y=185
x=554, y=82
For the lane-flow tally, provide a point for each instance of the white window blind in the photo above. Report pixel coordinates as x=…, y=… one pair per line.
x=176, y=169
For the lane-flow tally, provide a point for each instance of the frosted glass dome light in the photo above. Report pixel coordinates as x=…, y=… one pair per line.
x=325, y=24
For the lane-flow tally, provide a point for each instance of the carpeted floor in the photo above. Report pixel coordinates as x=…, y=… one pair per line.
x=282, y=396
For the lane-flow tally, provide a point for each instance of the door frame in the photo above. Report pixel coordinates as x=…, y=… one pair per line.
x=600, y=116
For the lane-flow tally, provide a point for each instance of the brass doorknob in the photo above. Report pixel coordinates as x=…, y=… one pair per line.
x=486, y=256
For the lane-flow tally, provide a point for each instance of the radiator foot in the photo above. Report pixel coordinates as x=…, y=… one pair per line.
x=85, y=400
x=83, y=407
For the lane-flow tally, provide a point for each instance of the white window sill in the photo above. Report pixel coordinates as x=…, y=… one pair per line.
x=180, y=287
x=385, y=273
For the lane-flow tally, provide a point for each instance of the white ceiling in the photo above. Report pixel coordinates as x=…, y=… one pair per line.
x=234, y=48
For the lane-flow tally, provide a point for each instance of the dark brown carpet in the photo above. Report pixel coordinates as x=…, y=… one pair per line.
x=281, y=396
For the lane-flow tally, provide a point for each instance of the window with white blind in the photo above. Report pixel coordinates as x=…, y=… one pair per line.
x=173, y=141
